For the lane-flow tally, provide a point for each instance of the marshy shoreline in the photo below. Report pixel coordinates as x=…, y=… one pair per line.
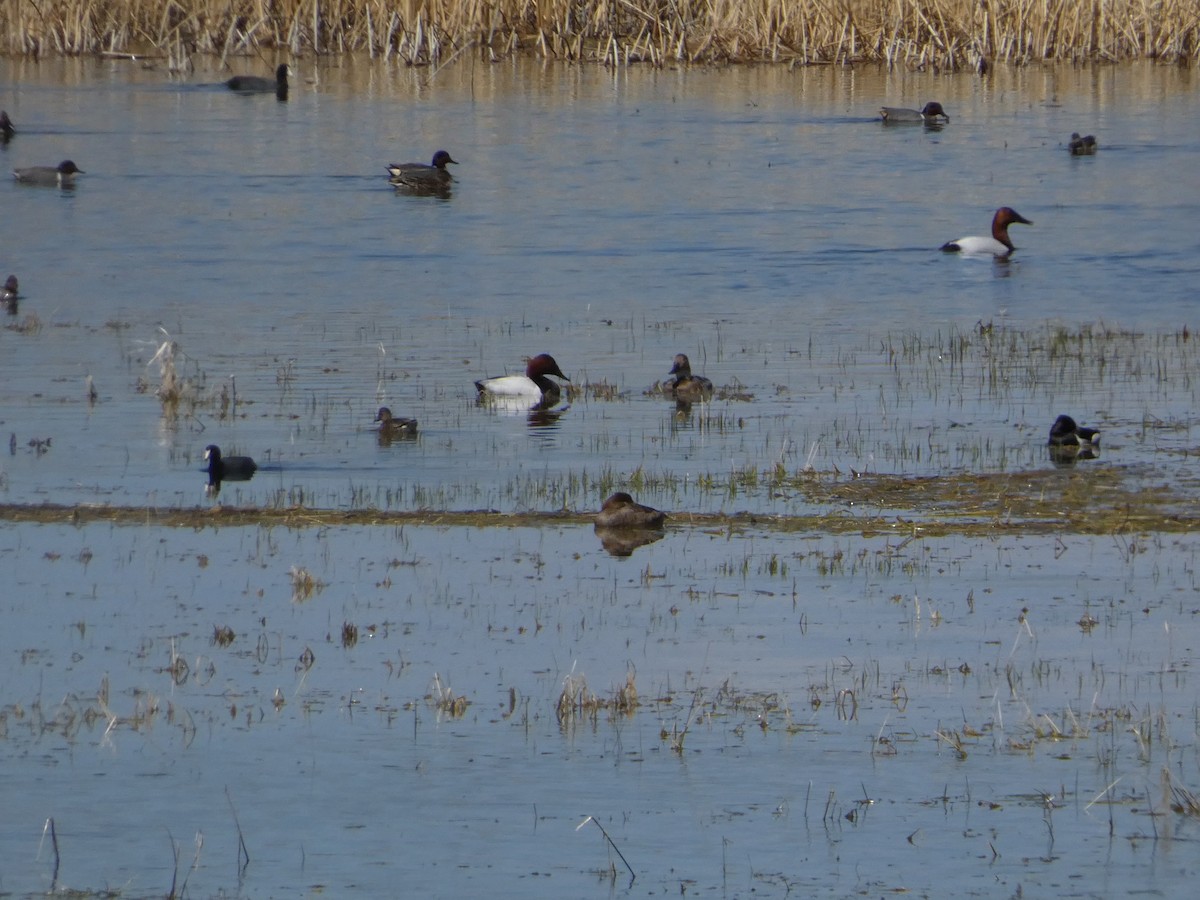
x=941, y=34
x=1113, y=500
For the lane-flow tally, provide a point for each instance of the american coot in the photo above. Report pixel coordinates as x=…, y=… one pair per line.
x=62, y=175
x=9, y=295
x=1082, y=146
x=688, y=388
x=621, y=511
x=931, y=114
x=996, y=245
x=392, y=428
x=7, y=129
x=418, y=177
x=227, y=468
x=256, y=84
x=534, y=386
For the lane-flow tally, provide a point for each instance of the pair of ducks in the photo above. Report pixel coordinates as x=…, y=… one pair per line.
x=536, y=388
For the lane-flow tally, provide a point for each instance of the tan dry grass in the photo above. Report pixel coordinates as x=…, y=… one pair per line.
x=949, y=34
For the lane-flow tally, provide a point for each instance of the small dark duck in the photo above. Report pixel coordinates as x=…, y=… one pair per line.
x=1082, y=146
x=930, y=114
x=9, y=294
x=421, y=178
x=256, y=84
x=621, y=511
x=1065, y=432
x=227, y=468
x=7, y=129
x=62, y=175
x=393, y=428
x=688, y=388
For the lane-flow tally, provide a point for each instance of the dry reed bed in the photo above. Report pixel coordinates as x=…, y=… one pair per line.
x=949, y=34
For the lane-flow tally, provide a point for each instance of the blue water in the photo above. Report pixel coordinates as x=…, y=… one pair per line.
x=760, y=220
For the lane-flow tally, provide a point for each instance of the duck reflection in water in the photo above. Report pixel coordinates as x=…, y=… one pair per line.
x=623, y=525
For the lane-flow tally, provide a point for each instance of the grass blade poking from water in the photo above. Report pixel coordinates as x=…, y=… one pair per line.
x=948, y=34
x=616, y=849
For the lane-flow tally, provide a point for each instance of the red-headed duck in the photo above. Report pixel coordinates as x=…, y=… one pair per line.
x=1081, y=146
x=621, y=511
x=62, y=175
x=391, y=427
x=996, y=245
x=418, y=177
x=688, y=388
x=256, y=84
x=931, y=114
x=534, y=386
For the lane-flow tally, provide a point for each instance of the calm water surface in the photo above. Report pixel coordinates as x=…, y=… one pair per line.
x=758, y=220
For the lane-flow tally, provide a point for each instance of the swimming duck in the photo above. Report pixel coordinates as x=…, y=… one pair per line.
x=621, y=511
x=534, y=386
x=1081, y=146
x=7, y=129
x=256, y=84
x=391, y=427
x=9, y=294
x=688, y=388
x=227, y=468
x=1066, y=433
x=996, y=245
x=421, y=177
x=930, y=114
x=62, y=175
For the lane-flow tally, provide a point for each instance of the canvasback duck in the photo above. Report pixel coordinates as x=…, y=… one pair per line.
x=621, y=511
x=996, y=245
x=9, y=295
x=7, y=129
x=688, y=388
x=227, y=468
x=256, y=84
x=62, y=175
x=1081, y=146
x=420, y=177
x=534, y=386
x=1066, y=433
x=393, y=427
x=930, y=114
